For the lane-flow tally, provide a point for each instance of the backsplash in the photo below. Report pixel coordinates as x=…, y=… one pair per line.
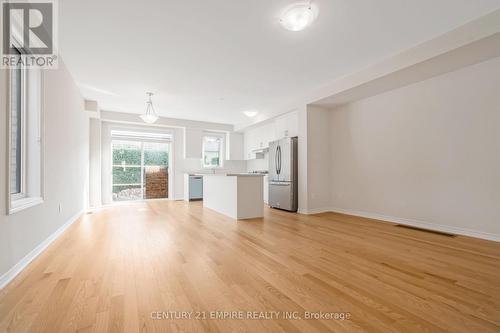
x=194, y=166
x=260, y=164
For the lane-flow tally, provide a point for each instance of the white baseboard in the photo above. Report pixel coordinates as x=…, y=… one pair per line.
x=420, y=224
x=23, y=263
x=313, y=210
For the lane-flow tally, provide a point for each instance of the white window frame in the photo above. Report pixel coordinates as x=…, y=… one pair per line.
x=221, y=137
x=27, y=197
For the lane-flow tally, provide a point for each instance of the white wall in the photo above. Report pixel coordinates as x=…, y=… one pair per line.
x=318, y=151
x=427, y=152
x=65, y=168
x=258, y=164
x=302, y=160
x=193, y=165
x=179, y=164
x=314, y=159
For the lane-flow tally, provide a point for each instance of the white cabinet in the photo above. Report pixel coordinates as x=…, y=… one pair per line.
x=258, y=142
x=193, y=143
x=292, y=122
x=280, y=127
x=259, y=137
x=287, y=125
x=263, y=135
x=250, y=143
x=235, y=146
x=268, y=135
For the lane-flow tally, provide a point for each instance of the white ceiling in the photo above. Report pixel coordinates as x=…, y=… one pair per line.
x=212, y=60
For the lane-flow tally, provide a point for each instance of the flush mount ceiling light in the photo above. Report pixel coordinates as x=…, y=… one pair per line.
x=150, y=116
x=299, y=15
x=250, y=113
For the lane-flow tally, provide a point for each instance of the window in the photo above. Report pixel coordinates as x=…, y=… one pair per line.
x=212, y=151
x=25, y=154
x=16, y=131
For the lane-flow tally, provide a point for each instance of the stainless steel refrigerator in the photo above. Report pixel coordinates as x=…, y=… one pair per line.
x=283, y=193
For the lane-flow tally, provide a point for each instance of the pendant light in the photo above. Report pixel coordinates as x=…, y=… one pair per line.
x=150, y=116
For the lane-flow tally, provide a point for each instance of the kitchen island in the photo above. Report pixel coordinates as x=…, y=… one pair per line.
x=237, y=195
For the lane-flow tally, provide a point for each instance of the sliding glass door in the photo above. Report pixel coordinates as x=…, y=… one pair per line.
x=127, y=170
x=140, y=170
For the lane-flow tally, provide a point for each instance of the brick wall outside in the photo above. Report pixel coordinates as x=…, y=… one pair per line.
x=156, y=183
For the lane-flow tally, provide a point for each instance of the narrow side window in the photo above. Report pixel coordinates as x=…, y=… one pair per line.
x=25, y=138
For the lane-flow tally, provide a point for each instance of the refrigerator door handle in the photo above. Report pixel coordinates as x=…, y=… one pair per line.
x=279, y=160
x=276, y=160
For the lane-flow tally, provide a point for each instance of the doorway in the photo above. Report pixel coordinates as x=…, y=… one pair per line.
x=140, y=169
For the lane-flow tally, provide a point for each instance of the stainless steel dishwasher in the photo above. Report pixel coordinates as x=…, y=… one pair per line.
x=195, y=187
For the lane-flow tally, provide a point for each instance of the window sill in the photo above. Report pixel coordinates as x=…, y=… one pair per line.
x=24, y=203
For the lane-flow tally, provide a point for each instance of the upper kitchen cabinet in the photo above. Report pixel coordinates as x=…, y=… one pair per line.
x=264, y=135
x=193, y=143
x=249, y=142
x=256, y=139
x=287, y=125
x=234, y=146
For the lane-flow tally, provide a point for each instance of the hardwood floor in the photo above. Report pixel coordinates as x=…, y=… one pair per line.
x=118, y=268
